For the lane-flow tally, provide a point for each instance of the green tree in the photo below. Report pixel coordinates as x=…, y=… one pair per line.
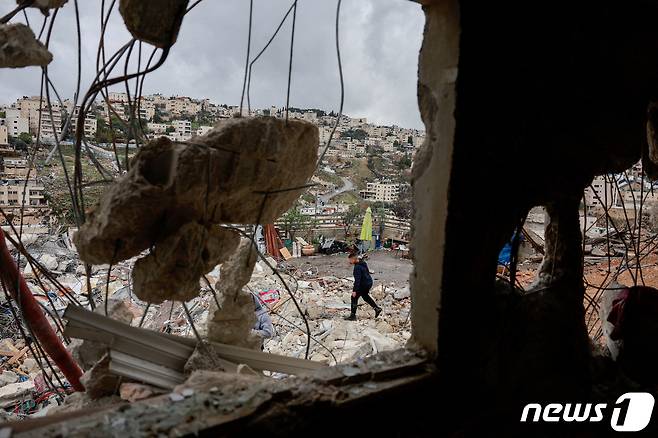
x=293, y=220
x=404, y=163
x=25, y=137
x=349, y=217
x=170, y=129
x=357, y=134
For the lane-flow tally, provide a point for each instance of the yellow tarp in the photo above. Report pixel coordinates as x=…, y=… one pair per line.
x=366, y=227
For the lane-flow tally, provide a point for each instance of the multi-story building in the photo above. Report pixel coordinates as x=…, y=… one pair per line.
x=15, y=122
x=4, y=138
x=158, y=128
x=601, y=190
x=381, y=192
x=15, y=168
x=90, y=126
x=117, y=97
x=182, y=105
x=14, y=193
x=30, y=108
x=183, y=129
x=51, y=124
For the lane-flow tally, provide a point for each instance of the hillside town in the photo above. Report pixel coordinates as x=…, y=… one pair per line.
x=365, y=164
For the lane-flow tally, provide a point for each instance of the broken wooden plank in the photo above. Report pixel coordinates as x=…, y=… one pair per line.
x=17, y=356
x=285, y=253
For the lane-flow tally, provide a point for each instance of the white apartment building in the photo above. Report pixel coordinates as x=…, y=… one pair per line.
x=600, y=192
x=29, y=109
x=146, y=113
x=203, y=130
x=381, y=192
x=183, y=129
x=158, y=128
x=15, y=168
x=51, y=127
x=90, y=126
x=118, y=109
x=15, y=122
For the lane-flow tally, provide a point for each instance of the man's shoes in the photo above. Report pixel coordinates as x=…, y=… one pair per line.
x=378, y=310
x=352, y=317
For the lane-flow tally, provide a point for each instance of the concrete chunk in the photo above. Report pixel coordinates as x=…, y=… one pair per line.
x=20, y=48
x=172, y=271
x=155, y=22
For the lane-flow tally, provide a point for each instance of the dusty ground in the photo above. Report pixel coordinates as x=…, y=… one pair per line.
x=386, y=266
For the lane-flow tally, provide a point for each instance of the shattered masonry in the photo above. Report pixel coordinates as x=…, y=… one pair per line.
x=218, y=178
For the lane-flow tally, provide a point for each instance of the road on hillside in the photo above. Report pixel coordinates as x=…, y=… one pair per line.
x=348, y=186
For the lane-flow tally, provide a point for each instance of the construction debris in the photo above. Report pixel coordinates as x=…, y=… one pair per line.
x=172, y=270
x=155, y=22
x=232, y=323
x=19, y=47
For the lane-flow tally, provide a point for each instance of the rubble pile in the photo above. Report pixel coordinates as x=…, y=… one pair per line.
x=226, y=296
x=325, y=301
x=23, y=388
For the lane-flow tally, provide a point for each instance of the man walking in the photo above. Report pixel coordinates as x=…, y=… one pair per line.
x=362, y=285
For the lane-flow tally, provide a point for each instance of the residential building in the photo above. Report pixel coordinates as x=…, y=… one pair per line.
x=15, y=122
x=90, y=123
x=182, y=105
x=117, y=97
x=12, y=193
x=158, y=128
x=15, y=168
x=183, y=129
x=381, y=192
x=4, y=139
x=29, y=108
x=601, y=190
x=51, y=124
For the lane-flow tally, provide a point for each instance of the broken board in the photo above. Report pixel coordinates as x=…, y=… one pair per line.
x=285, y=253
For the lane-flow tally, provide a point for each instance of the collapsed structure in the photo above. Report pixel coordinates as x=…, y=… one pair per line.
x=578, y=94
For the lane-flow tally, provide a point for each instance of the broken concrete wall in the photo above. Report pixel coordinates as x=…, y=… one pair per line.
x=539, y=135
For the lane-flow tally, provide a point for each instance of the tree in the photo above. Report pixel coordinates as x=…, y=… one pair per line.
x=402, y=208
x=349, y=218
x=357, y=134
x=293, y=220
x=410, y=139
x=170, y=129
x=404, y=162
x=25, y=137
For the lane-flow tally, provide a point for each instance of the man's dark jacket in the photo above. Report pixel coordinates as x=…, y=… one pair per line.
x=362, y=278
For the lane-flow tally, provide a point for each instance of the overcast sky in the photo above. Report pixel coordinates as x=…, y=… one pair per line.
x=379, y=39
